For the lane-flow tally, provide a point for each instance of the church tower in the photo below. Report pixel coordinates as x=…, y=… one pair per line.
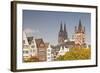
x=62, y=36
x=65, y=32
x=79, y=34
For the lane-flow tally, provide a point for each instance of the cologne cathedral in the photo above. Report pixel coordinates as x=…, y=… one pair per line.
x=79, y=35
x=63, y=35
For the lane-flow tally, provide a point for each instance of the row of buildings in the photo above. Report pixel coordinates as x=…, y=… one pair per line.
x=35, y=50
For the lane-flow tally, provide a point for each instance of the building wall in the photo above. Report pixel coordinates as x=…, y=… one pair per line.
x=49, y=54
x=79, y=38
x=42, y=54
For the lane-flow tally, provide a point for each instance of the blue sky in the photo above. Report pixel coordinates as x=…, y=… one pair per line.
x=46, y=24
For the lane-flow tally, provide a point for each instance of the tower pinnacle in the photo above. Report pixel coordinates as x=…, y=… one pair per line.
x=64, y=27
x=61, y=27
x=80, y=26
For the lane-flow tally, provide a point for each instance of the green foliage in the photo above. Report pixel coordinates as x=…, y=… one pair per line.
x=32, y=59
x=76, y=54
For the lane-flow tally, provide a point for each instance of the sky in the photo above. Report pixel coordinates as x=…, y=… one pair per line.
x=46, y=24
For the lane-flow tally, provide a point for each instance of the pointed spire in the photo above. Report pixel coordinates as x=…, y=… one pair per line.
x=75, y=29
x=64, y=27
x=65, y=32
x=84, y=29
x=80, y=26
x=61, y=29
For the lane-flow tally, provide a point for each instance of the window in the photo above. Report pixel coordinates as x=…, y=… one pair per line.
x=32, y=46
x=48, y=57
x=48, y=50
x=48, y=54
x=33, y=50
x=25, y=46
x=25, y=52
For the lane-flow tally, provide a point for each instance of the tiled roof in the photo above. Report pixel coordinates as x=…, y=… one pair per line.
x=29, y=39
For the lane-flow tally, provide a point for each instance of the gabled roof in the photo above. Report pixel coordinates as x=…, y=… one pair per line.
x=29, y=40
x=40, y=43
x=25, y=41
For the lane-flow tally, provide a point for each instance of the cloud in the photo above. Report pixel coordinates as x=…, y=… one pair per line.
x=31, y=32
x=28, y=30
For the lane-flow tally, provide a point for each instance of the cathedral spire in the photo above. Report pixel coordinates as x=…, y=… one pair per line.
x=65, y=32
x=61, y=29
x=62, y=36
x=84, y=29
x=64, y=27
x=80, y=26
x=75, y=29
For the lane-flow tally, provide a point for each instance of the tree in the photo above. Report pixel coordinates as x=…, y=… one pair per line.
x=76, y=54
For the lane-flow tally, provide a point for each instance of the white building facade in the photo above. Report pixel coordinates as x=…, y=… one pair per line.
x=29, y=50
x=49, y=55
x=62, y=51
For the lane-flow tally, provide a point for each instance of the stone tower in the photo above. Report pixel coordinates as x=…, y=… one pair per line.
x=62, y=36
x=79, y=34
